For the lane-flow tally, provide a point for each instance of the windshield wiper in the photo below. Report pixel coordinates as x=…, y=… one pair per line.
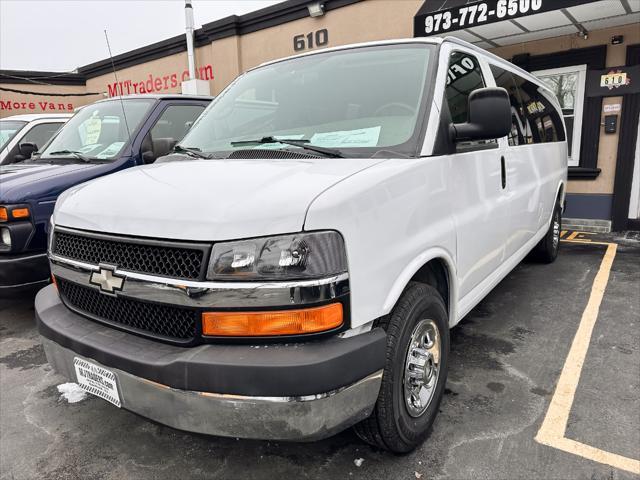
x=76, y=154
x=191, y=151
x=302, y=143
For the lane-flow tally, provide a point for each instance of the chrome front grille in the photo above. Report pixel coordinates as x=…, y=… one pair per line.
x=167, y=259
x=153, y=319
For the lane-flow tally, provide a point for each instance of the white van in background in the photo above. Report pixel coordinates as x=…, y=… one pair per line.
x=34, y=129
x=294, y=266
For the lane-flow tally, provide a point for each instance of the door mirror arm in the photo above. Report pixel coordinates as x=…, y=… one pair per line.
x=489, y=116
x=159, y=148
x=26, y=149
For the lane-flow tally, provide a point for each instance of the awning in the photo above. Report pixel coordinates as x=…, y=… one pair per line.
x=495, y=23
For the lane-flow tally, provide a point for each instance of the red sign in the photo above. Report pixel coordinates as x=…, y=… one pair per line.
x=157, y=84
x=43, y=106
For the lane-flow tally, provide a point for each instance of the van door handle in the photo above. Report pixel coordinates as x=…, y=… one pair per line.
x=503, y=170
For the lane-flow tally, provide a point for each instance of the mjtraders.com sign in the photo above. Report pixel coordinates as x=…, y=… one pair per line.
x=157, y=83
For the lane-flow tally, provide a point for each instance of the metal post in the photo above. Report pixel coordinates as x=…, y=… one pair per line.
x=188, y=17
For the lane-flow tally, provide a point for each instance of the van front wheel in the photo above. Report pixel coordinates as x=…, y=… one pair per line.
x=415, y=371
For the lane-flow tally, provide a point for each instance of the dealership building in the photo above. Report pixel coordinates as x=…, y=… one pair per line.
x=587, y=51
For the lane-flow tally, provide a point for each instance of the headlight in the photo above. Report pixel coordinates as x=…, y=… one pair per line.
x=286, y=257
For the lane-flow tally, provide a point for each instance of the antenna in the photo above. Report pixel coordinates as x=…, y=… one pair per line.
x=124, y=114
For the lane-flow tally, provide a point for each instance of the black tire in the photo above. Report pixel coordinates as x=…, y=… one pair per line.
x=546, y=251
x=391, y=426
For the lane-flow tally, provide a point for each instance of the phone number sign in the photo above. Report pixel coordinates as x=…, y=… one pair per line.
x=431, y=19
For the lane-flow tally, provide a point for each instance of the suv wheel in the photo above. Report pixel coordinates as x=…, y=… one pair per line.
x=415, y=372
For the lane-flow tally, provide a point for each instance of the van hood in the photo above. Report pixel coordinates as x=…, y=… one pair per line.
x=22, y=182
x=205, y=200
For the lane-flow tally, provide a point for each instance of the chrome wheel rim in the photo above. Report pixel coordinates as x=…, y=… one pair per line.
x=422, y=367
x=556, y=231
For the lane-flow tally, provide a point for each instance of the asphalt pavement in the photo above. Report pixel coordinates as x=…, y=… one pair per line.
x=506, y=359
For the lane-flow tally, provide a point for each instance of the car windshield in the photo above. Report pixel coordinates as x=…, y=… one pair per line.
x=8, y=130
x=355, y=101
x=99, y=131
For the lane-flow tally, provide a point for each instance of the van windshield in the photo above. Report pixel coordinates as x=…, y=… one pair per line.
x=99, y=131
x=355, y=101
x=8, y=130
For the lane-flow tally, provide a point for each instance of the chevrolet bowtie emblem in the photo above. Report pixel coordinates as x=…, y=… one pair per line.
x=106, y=279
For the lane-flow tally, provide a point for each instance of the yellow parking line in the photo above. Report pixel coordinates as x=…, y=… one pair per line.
x=553, y=428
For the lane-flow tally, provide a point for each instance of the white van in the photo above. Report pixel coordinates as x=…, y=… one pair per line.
x=294, y=267
x=21, y=135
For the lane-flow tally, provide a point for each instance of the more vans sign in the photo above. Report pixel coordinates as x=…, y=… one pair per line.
x=41, y=106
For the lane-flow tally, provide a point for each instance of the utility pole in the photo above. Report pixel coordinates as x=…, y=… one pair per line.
x=193, y=86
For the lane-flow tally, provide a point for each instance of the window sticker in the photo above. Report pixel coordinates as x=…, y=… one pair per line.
x=363, y=137
x=111, y=150
x=91, y=129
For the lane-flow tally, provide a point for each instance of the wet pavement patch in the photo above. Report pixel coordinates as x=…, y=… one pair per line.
x=25, y=359
x=496, y=387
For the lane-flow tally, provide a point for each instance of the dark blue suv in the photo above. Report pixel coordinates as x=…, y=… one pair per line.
x=101, y=138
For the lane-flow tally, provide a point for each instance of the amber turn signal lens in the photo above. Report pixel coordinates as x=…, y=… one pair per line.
x=4, y=216
x=20, y=213
x=279, y=322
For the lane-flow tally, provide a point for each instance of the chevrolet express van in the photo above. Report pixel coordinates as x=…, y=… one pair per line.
x=104, y=137
x=294, y=269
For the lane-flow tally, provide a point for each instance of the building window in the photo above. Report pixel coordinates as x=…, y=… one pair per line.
x=568, y=85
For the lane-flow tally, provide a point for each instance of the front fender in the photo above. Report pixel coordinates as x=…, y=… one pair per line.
x=394, y=217
x=402, y=280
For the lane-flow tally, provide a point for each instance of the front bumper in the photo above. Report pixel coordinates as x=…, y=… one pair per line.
x=23, y=271
x=304, y=391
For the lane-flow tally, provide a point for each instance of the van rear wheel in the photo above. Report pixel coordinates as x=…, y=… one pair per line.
x=547, y=249
x=415, y=371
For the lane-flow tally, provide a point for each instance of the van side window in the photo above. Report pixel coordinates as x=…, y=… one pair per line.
x=543, y=122
x=175, y=121
x=40, y=134
x=463, y=77
x=519, y=130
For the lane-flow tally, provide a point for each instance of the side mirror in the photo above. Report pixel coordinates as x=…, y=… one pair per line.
x=27, y=149
x=489, y=116
x=159, y=148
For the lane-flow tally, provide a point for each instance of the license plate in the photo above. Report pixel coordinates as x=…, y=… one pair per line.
x=96, y=380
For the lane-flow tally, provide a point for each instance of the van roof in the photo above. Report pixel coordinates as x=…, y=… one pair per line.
x=425, y=40
x=159, y=96
x=30, y=117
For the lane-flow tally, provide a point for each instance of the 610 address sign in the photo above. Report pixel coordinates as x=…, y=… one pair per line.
x=319, y=38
